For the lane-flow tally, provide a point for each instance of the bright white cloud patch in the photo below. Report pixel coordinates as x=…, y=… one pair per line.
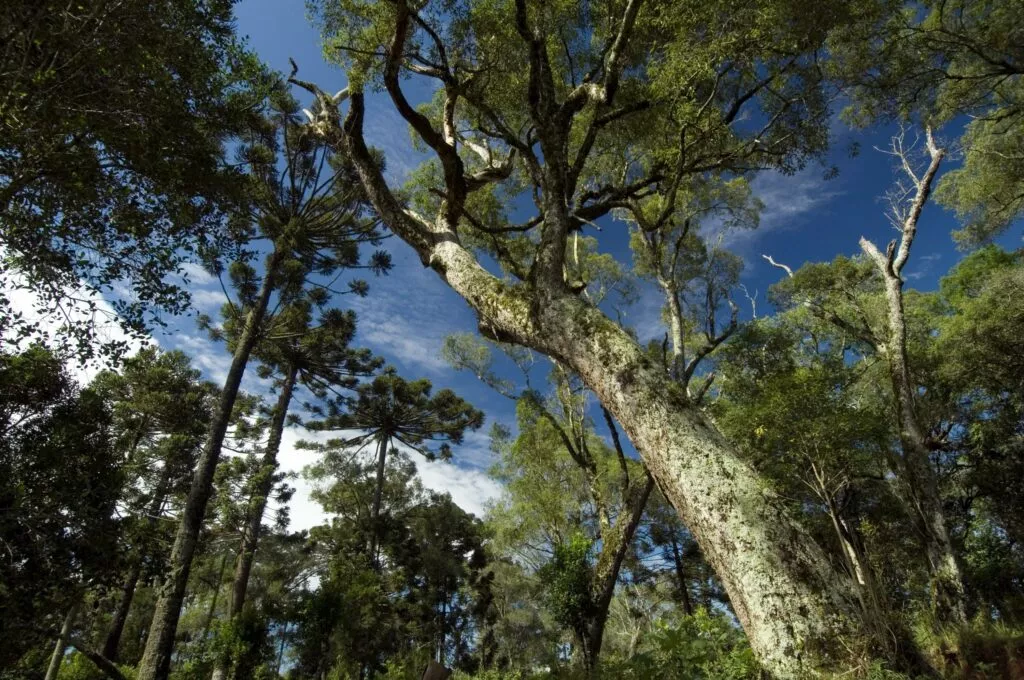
x=463, y=478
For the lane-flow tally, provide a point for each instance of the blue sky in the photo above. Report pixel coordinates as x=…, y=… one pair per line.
x=409, y=312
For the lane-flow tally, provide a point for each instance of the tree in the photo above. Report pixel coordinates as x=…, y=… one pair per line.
x=314, y=223
x=57, y=542
x=591, y=122
x=937, y=61
x=114, y=120
x=419, y=600
x=391, y=410
x=530, y=471
x=887, y=337
x=160, y=413
x=304, y=352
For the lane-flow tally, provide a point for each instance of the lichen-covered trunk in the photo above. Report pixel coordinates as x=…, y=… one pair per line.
x=156, y=660
x=801, y=616
x=918, y=483
x=264, y=484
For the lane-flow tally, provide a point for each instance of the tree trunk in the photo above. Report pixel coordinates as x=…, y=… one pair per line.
x=113, y=640
x=800, y=615
x=606, y=573
x=378, y=494
x=156, y=660
x=258, y=504
x=918, y=480
x=62, y=642
x=684, y=592
x=212, y=611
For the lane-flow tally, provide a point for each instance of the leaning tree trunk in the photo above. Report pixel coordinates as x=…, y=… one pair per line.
x=258, y=504
x=801, y=615
x=156, y=660
x=124, y=605
x=62, y=642
x=606, y=573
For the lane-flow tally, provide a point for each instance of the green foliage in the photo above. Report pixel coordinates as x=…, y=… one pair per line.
x=60, y=478
x=567, y=578
x=699, y=646
x=114, y=123
x=938, y=61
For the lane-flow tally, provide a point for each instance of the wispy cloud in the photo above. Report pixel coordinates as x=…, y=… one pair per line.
x=407, y=315
x=788, y=201
x=922, y=265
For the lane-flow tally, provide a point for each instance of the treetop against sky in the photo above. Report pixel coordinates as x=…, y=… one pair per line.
x=807, y=216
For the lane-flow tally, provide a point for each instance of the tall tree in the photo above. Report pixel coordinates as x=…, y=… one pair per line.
x=303, y=351
x=57, y=542
x=389, y=411
x=314, y=222
x=161, y=412
x=887, y=337
x=567, y=106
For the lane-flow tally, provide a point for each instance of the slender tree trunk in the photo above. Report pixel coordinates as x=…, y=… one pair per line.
x=112, y=642
x=124, y=605
x=280, y=649
x=62, y=642
x=378, y=493
x=156, y=660
x=919, y=483
x=258, y=504
x=606, y=574
x=684, y=591
x=212, y=611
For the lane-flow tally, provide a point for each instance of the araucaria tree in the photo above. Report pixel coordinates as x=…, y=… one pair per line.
x=590, y=109
x=311, y=222
x=390, y=411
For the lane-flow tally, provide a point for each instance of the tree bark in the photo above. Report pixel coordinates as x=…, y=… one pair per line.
x=53, y=670
x=156, y=660
x=258, y=504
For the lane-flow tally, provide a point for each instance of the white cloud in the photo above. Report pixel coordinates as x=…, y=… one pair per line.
x=198, y=276
x=207, y=300
x=407, y=315
x=788, y=200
